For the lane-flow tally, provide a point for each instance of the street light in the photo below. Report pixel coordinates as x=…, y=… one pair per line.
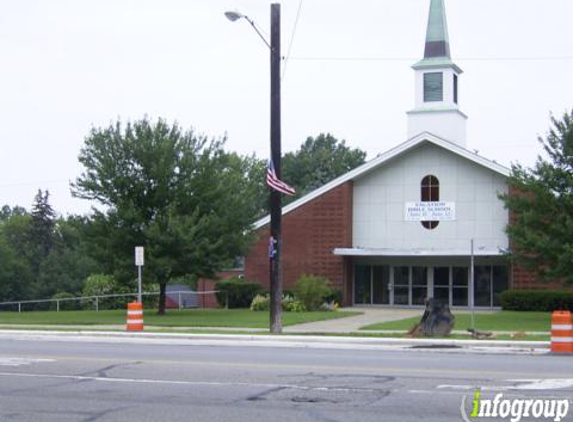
x=275, y=196
x=233, y=16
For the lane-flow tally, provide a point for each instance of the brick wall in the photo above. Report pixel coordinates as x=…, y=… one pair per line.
x=208, y=300
x=310, y=233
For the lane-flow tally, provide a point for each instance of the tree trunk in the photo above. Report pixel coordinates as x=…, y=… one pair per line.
x=161, y=307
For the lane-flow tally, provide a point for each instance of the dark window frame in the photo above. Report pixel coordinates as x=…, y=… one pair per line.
x=430, y=192
x=455, y=88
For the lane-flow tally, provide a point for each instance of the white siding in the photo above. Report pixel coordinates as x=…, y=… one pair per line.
x=379, y=197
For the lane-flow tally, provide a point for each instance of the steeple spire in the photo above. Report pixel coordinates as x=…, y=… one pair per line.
x=437, y=40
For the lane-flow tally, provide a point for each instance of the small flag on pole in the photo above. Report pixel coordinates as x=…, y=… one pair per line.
x=272, y=249
x=275, y=183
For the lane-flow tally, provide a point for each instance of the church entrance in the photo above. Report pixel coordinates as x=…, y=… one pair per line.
x=372, y=285
x=410, y=285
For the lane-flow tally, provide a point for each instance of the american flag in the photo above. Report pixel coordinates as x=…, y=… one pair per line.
x=276, y=184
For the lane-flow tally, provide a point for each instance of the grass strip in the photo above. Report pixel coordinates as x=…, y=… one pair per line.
x=234, y=318
x=496, y=321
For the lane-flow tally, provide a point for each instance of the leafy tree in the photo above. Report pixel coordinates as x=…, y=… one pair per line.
x=541, y=206
x=6, y=212
x=176, y=193
x=68, y=263
x=318, y=161
x=16, y=278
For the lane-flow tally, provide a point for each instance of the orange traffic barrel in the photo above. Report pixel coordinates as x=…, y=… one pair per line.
x=134, y=316
x=562, y=332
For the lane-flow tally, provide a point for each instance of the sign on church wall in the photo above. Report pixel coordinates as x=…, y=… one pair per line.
x=430, y=211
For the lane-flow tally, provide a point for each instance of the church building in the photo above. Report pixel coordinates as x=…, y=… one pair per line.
x=408, y=224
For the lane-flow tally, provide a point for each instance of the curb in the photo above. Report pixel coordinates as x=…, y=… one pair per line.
x=310, y=341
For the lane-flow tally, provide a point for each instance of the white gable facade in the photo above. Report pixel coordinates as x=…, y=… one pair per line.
x=380, y=204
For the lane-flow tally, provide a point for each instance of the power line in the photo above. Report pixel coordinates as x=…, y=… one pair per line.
x=292, y=38
x=397, y=59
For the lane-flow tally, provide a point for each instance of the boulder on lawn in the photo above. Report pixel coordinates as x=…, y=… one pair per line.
x=436, y=321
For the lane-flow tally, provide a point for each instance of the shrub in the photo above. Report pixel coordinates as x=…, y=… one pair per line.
x=329, y=306
x=334, y=299
x=536, y=300
x=65, y=305
x=312, y=291
x=100, y=285
x=238, y=292
x=288, y=304
x=260, y=303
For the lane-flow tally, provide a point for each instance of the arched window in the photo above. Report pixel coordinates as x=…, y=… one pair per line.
x=430, y=191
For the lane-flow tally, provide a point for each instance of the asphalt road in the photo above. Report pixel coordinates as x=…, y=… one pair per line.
x=94, y=381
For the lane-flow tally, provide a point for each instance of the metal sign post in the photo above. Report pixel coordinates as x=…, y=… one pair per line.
x=472, y=284
x=139, y=260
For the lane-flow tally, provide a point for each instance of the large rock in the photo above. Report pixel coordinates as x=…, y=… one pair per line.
x=436, y=321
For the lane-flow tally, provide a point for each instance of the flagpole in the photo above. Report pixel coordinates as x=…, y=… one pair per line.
x=275, y=276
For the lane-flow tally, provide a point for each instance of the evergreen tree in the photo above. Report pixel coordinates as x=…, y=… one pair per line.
x=42, y=234
x=541, y=205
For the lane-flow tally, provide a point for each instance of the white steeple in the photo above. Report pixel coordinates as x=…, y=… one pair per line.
x=436, y=104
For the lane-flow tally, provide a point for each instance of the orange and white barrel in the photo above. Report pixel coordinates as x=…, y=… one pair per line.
x=134, y=316
x=562, y=332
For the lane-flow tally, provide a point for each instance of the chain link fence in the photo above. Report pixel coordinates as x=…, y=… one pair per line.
x=174, y=299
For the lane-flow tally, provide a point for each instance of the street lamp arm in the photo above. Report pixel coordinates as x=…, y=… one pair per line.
x=258, y=32
x=233, y=16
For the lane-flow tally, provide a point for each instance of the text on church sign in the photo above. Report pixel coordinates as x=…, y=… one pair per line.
x=430, y=211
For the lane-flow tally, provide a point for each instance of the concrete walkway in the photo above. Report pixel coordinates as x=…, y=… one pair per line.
x=354, y=323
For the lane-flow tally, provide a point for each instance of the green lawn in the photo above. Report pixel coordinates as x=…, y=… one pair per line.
x=185, y=318
x=498, y=321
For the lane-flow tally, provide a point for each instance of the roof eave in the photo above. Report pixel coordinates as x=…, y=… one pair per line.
x=382, y=158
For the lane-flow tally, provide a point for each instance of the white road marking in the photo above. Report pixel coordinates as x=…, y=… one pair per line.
x=528, y=384
x=546, y=384
x=22, y=361
x=189, y=383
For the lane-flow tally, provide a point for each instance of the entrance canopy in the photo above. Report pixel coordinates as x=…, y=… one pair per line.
x=416, y=252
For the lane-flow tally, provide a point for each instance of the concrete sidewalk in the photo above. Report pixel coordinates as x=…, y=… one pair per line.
x=354, y=323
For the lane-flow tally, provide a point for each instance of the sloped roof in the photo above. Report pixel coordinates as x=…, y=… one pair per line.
x=384, y=158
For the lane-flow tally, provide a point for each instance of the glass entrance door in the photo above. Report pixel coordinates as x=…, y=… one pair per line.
x=460, y=286
x=419, y=285
x=451, y=285
x=372, y=285
x=381, y=285
x=442, y=284
x=401, y=286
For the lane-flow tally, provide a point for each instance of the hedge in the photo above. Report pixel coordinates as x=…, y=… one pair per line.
x=239, y=293
x=536, y=300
